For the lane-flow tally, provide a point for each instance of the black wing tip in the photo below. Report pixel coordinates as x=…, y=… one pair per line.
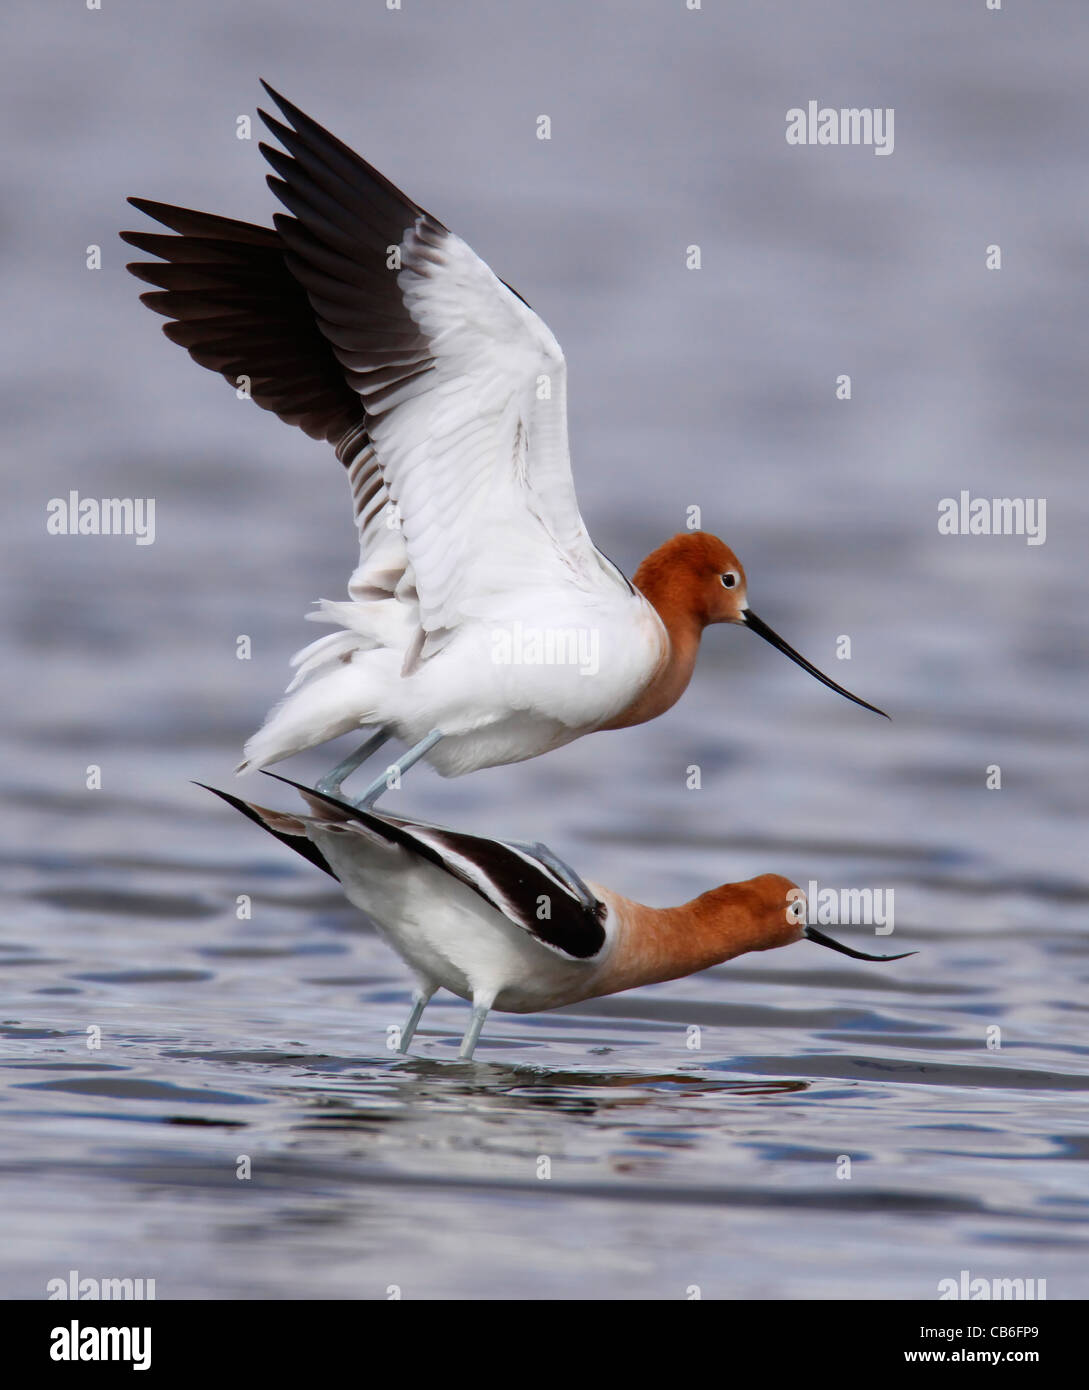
x=149, y=301
x=229, y=798
x=278, y=128
x=305, y=848
x=322, y=144
x=163, y=213
x=283, y=163
x=287, y=108
x=152, y=207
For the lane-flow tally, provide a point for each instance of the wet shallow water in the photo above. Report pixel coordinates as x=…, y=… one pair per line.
x=591, y=1152
x=587, y=1152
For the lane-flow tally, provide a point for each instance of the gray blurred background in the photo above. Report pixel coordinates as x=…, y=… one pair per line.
x=712, y=388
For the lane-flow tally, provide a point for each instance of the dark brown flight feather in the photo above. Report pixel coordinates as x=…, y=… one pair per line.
x=310, y=310
x=239, y=311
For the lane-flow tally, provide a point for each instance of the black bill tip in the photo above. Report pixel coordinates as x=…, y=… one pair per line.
x=761, y=629
x=812, y=934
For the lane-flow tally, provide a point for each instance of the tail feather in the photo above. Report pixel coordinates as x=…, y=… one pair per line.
x=325, y=707
x=382, y=622
x=326, y=651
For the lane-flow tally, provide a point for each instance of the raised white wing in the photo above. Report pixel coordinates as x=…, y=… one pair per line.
x=383, y=569
x=463, y=386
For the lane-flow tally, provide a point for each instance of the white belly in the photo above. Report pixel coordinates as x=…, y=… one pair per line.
x=505, y=691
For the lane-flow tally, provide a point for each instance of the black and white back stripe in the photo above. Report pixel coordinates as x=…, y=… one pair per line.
x=529, y=884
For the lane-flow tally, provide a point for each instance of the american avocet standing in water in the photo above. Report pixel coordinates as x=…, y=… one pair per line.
x=482, y=625
x=512, y=927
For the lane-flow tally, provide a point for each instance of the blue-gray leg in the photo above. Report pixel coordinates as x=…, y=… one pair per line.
x=420, y=1000
x=329, y=785
x=402, y=765
x=472, y=1033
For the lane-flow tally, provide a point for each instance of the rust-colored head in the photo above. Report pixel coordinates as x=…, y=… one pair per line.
x=757, y=914
x=760, y=914
x=696, y=579
x=698, y=574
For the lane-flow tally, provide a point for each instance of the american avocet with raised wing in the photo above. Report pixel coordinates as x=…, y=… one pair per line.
x=511, y=926
x=482, y=624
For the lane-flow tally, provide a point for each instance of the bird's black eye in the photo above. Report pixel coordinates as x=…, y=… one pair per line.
x=729, y=579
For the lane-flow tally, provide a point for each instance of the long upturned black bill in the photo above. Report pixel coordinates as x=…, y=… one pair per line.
x=812, y=934
x=761, y=629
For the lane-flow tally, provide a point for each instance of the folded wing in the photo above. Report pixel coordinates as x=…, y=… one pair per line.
x=514, y=879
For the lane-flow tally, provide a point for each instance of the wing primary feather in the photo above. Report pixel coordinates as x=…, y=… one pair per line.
x=299, y=843
x=234, y=304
